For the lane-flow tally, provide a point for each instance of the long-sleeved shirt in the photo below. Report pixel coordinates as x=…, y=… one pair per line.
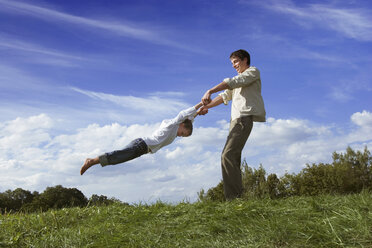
x=245, y=94
x=167, y=132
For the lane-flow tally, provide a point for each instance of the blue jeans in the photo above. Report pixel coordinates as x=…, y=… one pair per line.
x=133, y=150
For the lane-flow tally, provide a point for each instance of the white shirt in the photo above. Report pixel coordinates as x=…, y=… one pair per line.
x=245, y=93
x=167, y=131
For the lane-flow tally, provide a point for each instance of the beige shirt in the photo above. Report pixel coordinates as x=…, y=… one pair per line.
x=245, y=94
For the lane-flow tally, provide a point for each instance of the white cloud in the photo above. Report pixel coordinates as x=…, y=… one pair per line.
x=352, y=23
x=29, y=47
x=33, y=157
x=288, y=145
x=150, y=105
x=14, y=78
x=340, y=94
x=21, y=135
x=363, y=119
x=168, y=94
x=25, y=94
x=31, y=53
x=284, y=132
x=115, y=27
x=54, y=15
x=294, y=48
x=22, y=125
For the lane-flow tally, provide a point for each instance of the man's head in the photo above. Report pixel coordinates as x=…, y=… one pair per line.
x=185, y=128
x=240, y=60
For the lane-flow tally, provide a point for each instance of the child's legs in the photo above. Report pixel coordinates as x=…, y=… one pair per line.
x=133, y=150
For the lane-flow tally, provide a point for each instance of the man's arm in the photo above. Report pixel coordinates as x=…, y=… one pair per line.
x=206, y=99
x=215, y=102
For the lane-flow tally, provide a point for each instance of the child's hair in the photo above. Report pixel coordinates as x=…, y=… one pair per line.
x=188, y=125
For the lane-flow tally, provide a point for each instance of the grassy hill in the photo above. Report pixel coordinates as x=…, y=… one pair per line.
x=321, y=221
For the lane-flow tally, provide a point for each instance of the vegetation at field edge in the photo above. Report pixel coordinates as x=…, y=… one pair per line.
x=298, y=221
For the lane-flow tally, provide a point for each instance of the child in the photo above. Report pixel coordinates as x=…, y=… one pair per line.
x=181, y=125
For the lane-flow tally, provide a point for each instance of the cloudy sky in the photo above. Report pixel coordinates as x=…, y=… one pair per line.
x=79, y=78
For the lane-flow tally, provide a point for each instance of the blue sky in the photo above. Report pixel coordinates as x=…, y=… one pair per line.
x=78, y=78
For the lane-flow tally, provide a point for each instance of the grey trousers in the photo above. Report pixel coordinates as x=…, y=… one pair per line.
x=231, y=156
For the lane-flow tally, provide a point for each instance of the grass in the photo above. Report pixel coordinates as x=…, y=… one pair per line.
x=321, y=221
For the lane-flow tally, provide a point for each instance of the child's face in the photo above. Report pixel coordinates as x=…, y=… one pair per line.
x=182, y=131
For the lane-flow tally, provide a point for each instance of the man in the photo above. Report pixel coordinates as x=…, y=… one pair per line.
x=244, y=90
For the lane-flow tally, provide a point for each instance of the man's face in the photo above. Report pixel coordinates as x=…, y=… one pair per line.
x=239, y=65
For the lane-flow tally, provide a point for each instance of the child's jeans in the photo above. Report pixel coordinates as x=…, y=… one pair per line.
x=133, y=150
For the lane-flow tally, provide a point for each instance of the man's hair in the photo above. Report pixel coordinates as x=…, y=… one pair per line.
x=241, y=54
x=187, y=124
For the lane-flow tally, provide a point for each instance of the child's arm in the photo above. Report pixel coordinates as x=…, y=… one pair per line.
x=197, y=106
x=188, y=113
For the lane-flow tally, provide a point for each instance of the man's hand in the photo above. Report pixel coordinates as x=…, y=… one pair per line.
x=202, y=111
x=206, y=98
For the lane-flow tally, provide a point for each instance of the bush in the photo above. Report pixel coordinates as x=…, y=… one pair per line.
x=213, y=194
x=53, y=197
x=350, y=172
x=14, y=200
x=101, y=200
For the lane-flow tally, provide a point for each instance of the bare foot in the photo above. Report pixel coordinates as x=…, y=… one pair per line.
x=89, y=162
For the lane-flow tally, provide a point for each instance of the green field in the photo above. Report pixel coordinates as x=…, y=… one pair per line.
x=321, y=221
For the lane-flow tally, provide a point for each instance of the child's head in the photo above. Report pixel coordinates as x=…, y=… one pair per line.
x=185, y=128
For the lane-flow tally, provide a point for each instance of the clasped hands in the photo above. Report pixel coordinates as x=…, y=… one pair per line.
x=205, y=100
